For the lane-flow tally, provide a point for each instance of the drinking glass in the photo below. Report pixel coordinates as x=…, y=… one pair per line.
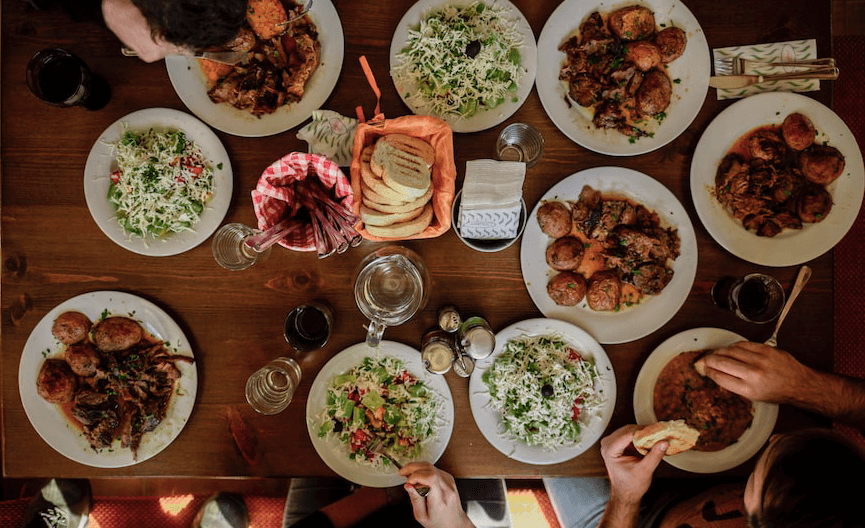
x=756, y=297
x=269, y=389
x=520, y=142
x=391, y=285
x=230, y=249
x=60, y=78
x=307, y=327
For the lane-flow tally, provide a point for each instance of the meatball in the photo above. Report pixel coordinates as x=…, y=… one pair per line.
x=554, y=219
x=117, y=333
x=813, y=203
x=822, y=164
x=565, y=253
x=651, y=278
x=83, y=359
x=643, y=54
x=654, y=94
x=604, y=291
x=798, y=131
x=56, y=382
x=567, y=288
x=766, y=145
x=70, y=327
x=671, y=43
x=584, y=90
x=632, y=23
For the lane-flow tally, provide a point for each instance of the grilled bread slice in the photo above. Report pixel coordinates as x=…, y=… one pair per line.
x=404, y=229
x=403, y=172
x=375, y=183
x=370, y=202
x=680, y=435
x=412, y=145
x=371, y=217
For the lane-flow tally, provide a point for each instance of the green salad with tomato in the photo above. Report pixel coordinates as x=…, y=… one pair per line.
x=162, y=182
x=379, y=400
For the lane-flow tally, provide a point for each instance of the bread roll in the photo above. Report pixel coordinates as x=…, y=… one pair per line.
x=680, y=435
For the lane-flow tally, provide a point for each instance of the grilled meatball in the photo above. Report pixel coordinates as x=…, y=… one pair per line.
x=565, y=253
x=767, y=145
x=83, y=359
x=117, y=333
x=604, y=291
x=567, y=288
x=671, y=42
x=651, y=278
x=654, y=94
x=70, y=327
x=813, y=203
x=798, y=131
x=554, y=219
x=632, y=23
x=643, y=54
x=584, y=90
x=56, y=382
x=822, y=164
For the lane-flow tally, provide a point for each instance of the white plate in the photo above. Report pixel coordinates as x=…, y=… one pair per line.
x=328, y=448
x=692, y=71
x=488, y=419
x=765, y=414
x=654, y=311
x=481, y=120
x=191, y=86
x=53, y=425
x=101, y=162
x=791, y=246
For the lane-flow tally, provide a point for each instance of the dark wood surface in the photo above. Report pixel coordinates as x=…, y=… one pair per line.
x=52, y=250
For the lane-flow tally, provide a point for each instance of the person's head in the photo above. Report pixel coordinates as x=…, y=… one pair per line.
x=195, y=24
x=807, y=479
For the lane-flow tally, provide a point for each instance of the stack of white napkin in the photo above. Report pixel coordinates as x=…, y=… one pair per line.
x=491, y=199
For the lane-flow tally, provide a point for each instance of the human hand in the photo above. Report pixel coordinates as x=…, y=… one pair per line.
x=630, y=475
x=757, y=371
x=441, y=508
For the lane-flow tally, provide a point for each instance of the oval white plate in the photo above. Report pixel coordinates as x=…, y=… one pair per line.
x=488, y=419
x=791, y=246
x=765, y=414
x=653, y=312
x=690, y=72
x=191, y=86
x=100, y=163
x=328, y=448
x=481, y=120
x=53, y=425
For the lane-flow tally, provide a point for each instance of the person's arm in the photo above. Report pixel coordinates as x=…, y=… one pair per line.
x=630, y=477
x=352, y=508
x=763, y=373
x=129, y=25
x=441, y=508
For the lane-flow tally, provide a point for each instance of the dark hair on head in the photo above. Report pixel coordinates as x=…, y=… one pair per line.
x=813, y=479
x=196, y=24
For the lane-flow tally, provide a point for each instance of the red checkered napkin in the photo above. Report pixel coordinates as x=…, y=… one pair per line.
x=279, y=192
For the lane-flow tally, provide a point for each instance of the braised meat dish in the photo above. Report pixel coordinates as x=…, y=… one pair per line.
x=281, y=61
x=681, y=393
x=114, y=382
x=609, y=251
x=617, y=67
x=775, y=177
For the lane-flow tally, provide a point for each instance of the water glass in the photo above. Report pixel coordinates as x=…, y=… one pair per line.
x=60, y=78
x=391, y=285
x=229, y=248
x=756, y=297
x=520, y=142
x=269, y=390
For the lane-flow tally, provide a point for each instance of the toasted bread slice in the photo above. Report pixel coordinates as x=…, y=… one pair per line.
x=371, y=217
x=405, y=173
x=412, y=145
x=398, y=208
x=375, y=183
x=680, y=435
x=369, y=194
x=404, y=229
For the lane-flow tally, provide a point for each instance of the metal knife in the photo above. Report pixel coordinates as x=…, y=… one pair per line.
x=728, y=82
x=225, y=57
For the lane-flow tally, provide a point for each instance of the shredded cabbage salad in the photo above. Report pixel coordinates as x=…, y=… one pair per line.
x=461, y=60
x=162, y=182
x=544, y=389
x=379, y=399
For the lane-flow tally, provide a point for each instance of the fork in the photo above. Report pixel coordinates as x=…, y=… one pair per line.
x=801, y=279
x=378, y=448
x=305, y=10
x=740, y=65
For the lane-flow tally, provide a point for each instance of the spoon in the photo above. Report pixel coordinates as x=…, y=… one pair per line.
x=801, y=279
x=263, y=240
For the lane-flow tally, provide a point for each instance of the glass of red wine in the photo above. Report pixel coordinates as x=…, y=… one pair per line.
x=61, y=78
x=756, y=297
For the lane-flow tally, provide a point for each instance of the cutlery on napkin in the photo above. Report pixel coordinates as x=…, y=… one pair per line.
x=491, y=199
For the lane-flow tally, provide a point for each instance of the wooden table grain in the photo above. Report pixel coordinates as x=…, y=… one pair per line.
x=52, y=250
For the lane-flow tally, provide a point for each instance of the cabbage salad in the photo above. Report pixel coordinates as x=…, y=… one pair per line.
x=379, y=399
x=461, y=60
x=544, y=389
x=162, y=182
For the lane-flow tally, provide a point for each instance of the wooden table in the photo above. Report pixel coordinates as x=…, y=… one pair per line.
x=53, y=250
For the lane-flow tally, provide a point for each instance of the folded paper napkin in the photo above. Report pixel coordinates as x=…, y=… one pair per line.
x=491, y=199
x=330, y=134
x=794, y=50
